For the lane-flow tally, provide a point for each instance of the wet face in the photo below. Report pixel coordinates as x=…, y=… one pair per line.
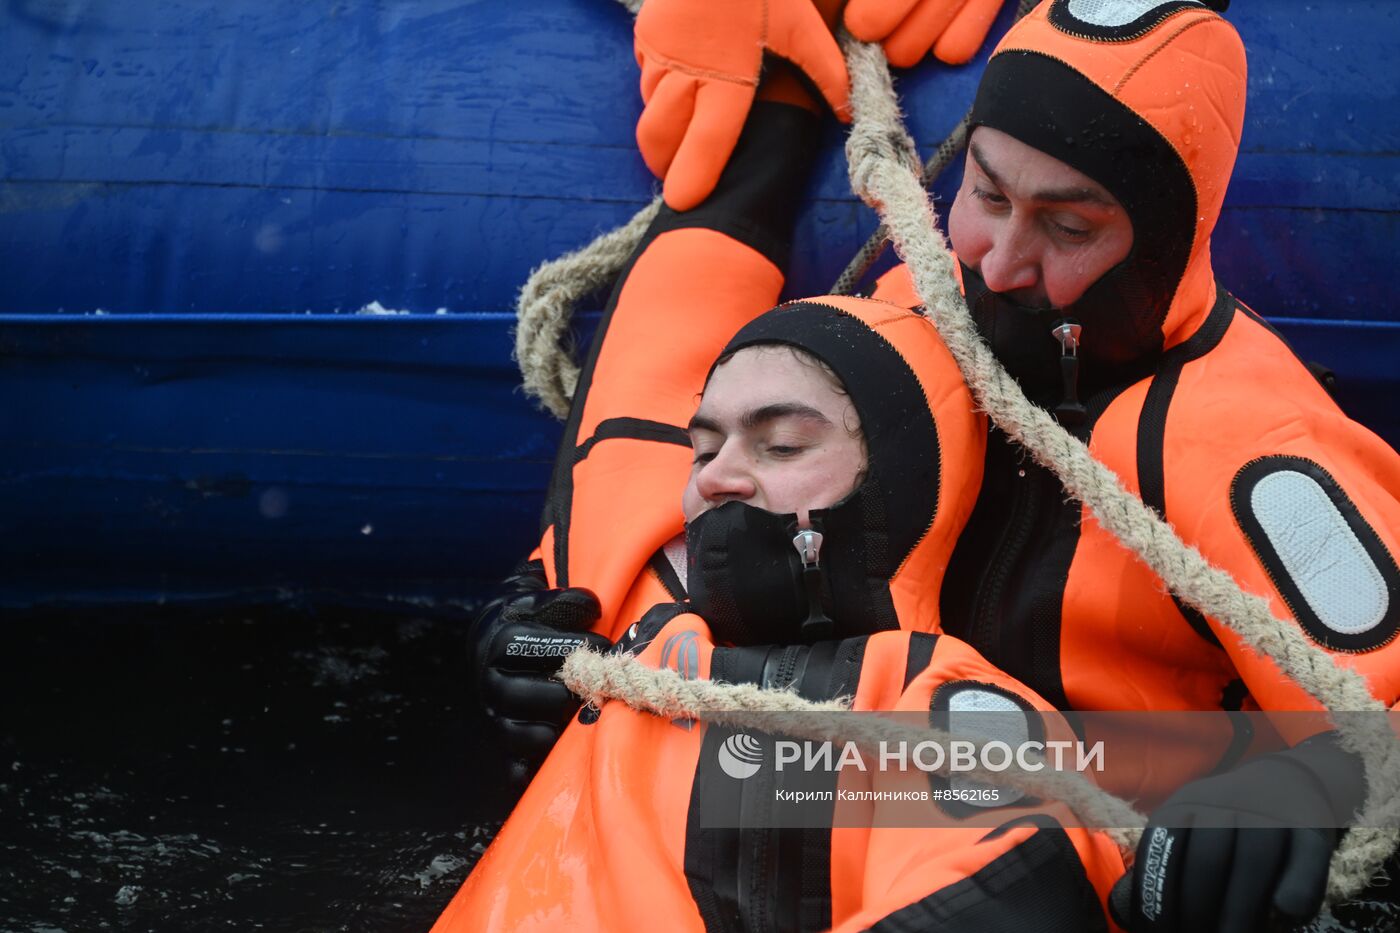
x=773, y=431
x=1035, y=229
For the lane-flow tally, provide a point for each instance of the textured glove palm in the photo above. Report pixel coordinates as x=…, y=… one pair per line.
x=518, y=643
x=701, y=61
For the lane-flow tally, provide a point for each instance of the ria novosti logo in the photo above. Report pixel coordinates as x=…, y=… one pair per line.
x=740, y=756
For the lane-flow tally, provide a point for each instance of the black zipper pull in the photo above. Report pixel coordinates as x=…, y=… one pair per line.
x=817, y=626
x=1070, y=412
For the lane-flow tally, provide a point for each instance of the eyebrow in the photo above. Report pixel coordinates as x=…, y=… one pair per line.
x=1073, y=195
x=758, y=416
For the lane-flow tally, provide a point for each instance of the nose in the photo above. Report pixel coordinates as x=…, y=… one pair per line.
x=1013, y=261
x=726, y=478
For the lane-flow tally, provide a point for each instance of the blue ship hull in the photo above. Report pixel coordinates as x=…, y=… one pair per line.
x=198, y=198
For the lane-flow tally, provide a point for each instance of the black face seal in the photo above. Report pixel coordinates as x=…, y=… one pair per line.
x=1049, y=106
x=756, y=578
x=1061, y=356
x=744, y=577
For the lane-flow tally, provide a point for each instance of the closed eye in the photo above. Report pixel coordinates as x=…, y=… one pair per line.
x=991, y=197
x=1073, y=233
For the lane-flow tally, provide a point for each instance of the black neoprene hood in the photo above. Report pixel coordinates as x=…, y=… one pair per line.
x=1048, y=105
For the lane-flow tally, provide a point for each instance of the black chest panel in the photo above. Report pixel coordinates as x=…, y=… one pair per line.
x=1005, y=583
x=1004, y=590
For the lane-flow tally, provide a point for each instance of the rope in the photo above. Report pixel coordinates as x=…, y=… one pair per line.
x=871, y=249
x=547, y=303
x=885, y=172
x=939, y=160
x=598, y=677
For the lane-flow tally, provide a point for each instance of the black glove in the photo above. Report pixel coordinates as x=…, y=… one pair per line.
x=1245, y=850
x=518, y=643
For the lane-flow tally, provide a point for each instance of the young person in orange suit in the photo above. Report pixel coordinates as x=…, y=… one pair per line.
x=834, y=455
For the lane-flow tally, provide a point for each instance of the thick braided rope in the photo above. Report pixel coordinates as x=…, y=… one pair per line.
x=939, y=160
x=598, y=677
x=547, y=302
x=878, y=160
x=871, y=249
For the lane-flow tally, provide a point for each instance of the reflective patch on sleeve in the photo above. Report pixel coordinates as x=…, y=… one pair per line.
x=985, y=713
x=1322, y=555
x=1328, y=564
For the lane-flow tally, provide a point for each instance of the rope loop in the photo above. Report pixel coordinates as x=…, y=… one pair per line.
x=546, y=306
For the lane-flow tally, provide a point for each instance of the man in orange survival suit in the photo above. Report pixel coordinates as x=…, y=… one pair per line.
x=1105, y=138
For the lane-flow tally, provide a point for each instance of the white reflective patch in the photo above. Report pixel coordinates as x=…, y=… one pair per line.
x=1009, y=729
x=1114, y=12
x=1320, y=552
x=972, y=700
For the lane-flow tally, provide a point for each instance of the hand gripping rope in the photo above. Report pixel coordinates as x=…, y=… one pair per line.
x=885, y=172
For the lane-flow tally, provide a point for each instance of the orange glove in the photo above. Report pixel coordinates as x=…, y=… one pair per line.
x=701, y=61
x=952, y=29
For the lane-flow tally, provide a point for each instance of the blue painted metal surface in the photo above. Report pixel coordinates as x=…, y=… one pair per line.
x=229, y=183
x=255, y=456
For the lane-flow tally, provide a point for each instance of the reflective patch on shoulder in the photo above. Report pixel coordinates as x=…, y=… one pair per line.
x=1114, y=20
x=1328, y=564
x=1116, y=12
x=986, y=713
x=982, y=699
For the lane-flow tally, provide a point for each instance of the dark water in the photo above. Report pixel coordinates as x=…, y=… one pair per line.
x=281, y=770
x=277, y=771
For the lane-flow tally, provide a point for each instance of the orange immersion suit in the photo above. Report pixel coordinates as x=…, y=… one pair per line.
x=1207, y=415
x=617, y=831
